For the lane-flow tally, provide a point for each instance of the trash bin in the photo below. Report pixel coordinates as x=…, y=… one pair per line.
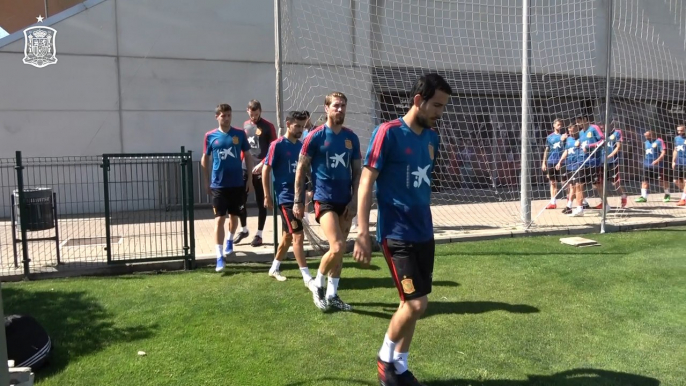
x=38, y=214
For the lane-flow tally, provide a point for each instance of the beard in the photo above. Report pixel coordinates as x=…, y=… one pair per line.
x=337, y=119
x=424, y=121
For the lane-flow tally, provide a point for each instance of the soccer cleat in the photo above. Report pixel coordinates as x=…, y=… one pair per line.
x=336, y=302
x=408, y=379
x=587, y=206
x=240, y=236
x=277, y=275
x=566, y=210
x=256, y=241
x=624, y=202
x=681, y=202
x=386, y=373
x=577, y=213
x=318, y=295
x=641, y=199
x=220, y=264
x=229, y=248
x=667, y=198
x=551, y=206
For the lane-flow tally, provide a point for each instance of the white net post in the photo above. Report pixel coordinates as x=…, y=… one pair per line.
x=525, y=199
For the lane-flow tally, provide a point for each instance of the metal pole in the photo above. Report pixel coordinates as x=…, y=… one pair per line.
x=22, y=214
x=4, y=368
x=608, y=94
x=279, y=103
x=525, y=199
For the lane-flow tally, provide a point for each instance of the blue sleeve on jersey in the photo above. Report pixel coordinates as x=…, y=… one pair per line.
x=311, y=143
x=207, y=146
x=378, y=148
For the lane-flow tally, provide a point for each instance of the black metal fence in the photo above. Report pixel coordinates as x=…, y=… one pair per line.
x=59, y=213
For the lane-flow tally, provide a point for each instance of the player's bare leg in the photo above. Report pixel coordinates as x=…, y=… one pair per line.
x=644, y=192
x=219, y=222
x=579, y=193
x=665, y=186
x=681, y=184
x=331, y=263
x=281, y=250
x=599, y=188
x=299, y=252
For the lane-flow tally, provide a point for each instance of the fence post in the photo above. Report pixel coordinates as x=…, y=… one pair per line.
x=184, y=207
x=191, y=210
x=608, y=95
x=22, y=214
x=4, y=367
x=106, y=193
x=524, y=180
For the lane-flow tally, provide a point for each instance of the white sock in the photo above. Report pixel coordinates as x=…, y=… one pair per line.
x=579, y=208
x=320, y=280
x=400, y=362
x=306, y=274
x=683, y=196
x=553, y=200
x=259, y=233
x=230, y=236
x=332, y=288
x=387, y=350
x=584, y=202
x=220, y=251
x=275, y=265
x=644, y=193
x=666, y=191
x=569, y=204
x=245, y=230
x=623, y=195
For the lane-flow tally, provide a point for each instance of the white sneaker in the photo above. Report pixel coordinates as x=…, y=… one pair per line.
x=277, y=275
x=577, y=213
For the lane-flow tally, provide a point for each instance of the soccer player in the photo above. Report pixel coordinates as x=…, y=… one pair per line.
x=554, y=147
x=282, y=159
x=400, y=158
x=679, y=162
x=332, y=153
x=591, y=138
x=652, y=165
x=579, y=173
x=260, y=134
x=614, y=146
x=224, y=146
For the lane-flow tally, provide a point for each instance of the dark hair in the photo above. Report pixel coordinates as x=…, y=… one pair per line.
x=336, y=94
x=254, y=105
x=296, y=116
x=558, y=120
x=426, y=86
x=307, y=113
x=222, y=108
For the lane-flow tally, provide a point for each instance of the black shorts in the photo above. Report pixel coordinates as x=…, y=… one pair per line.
x=653, y=174
x=582, y=176
x=680, y=172
x=411, y=265
x=613, y=173
x=322, y=207
x=228, y=201
x=289, y=223
x=556, y=175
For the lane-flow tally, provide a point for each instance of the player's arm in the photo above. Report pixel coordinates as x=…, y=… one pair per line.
x=674, y=157
x=368, y=176
x=356, y=174
x=662, y=153
x=618, y=147
x=545, y=156
x=267, y=176
x=563, y=157
x=205, y=162
x=304, y=165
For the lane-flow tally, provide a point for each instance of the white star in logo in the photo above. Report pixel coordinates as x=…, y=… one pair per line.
x=557, y=145
x=337, y=159
x=649, y=151
x=251, y=141
x=420, y=175
x=680, y=148
x=40, y=18
x=223, y=153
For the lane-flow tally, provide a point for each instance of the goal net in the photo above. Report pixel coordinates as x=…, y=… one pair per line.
x=373, y=50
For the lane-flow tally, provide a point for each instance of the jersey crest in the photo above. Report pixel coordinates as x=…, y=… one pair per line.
x=408, y=286
x=258, y=131
x=235, y=140
x=348, y=144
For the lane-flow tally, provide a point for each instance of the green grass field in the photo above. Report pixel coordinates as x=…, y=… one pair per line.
x=509, y=312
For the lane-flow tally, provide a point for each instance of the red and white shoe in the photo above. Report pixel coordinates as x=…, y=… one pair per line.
x=599, y=206
x=681, y=202
x=624, y=202
x=551, y=206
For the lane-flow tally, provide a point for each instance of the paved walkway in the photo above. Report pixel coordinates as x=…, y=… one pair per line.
x=149, y=234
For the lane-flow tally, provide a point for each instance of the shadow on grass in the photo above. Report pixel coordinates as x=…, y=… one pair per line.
x=575, y=377
x=77, y=324
x=444, y=308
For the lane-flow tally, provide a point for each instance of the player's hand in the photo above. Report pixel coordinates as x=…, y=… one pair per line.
x=655, y=163
x=248, y=186
x=208, y=189
x=257, y=169
x=298, y=211
x=673, y=165
x=563, y=137
x=557, y=167
x=363, y=249
x=268, y=203
x=544, y=168
x=350, y=210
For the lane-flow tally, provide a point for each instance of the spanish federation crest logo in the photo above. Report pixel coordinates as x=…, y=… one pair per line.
x=39, y=46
